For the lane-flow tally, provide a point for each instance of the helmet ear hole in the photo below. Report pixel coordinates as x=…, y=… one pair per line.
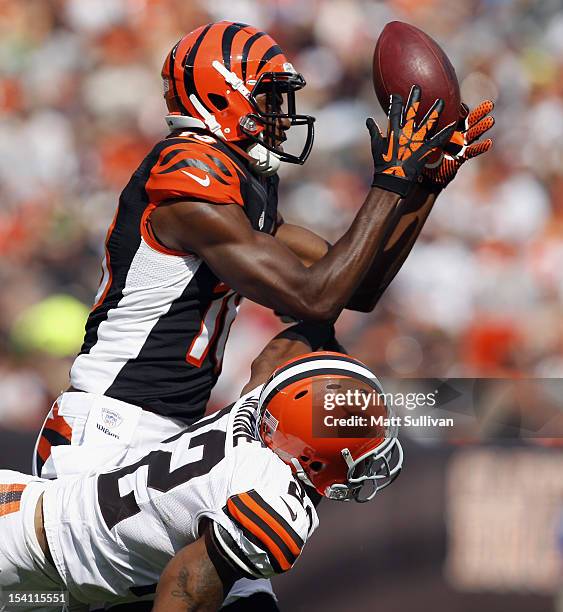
x=304, y=458
x=220, y=102
x=301, y=394
x=333, y=386
x=316, y=466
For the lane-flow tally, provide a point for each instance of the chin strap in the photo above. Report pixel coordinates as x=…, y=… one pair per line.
x=180, y=122
x=300, y=472
x=232, y=79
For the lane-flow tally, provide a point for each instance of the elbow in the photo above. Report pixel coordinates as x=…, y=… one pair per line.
x=322, y=311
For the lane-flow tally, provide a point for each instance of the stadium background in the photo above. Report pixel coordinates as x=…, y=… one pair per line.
x=465, y=529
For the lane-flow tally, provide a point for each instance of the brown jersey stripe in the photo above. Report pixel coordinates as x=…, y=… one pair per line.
x=296, y=543
x=261, y=533
x=10, y=498
x=267, y=517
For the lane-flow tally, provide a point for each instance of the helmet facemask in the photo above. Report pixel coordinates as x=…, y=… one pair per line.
x=267, y=124
x=370, y=473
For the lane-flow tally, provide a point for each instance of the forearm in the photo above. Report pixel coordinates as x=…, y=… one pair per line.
x=189, y=583
x=395, y=251
x=290, y=343
x=332, y=280
x=266, y=271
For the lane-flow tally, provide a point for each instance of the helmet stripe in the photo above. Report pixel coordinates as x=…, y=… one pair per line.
x=171, y=63
x=246, y=50
x=311, y=368
x=189, y=82
x=316, y=357
x=227, y=42
x=270, y=53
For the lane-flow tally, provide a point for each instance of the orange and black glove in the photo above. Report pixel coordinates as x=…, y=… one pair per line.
x=399, y=158
x=462, y=146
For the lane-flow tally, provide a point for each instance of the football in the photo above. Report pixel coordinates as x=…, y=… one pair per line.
x=406, y=56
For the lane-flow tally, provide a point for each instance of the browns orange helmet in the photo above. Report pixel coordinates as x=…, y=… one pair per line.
x=291, y=407
x=212, y=78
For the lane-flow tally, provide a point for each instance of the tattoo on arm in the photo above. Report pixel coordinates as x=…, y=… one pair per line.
x=182, y=591
x=189, y=583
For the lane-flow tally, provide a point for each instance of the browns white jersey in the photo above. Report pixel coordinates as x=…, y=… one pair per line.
x=156, y=334
x=111, y=534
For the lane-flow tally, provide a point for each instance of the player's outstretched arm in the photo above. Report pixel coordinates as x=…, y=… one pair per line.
x=263, y=269
x=191, y=582
x=310, y=247
x=464, y=144
x=402, y=160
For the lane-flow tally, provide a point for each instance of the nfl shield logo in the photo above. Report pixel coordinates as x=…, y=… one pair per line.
x=111, y=418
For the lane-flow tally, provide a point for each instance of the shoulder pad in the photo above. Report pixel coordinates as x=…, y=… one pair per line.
x=195, y=170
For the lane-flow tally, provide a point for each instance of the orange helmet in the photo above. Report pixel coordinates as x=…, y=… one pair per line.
x=292, y=407
x=212, y=77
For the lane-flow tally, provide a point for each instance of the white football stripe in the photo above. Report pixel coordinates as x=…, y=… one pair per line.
x=347, y=368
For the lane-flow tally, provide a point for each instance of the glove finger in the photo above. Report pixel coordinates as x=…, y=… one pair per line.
x=395, y=111
x=411, y=107
x=442, y=137
x=431, y=117
x=463, y=114
x=478, y=148
x=457, y=142
x=438, y=141
x=479, y=112
x=373, y=129
x=477, y=130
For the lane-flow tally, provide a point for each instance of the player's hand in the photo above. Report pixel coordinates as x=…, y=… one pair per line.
x=463, y=145
x=400, y=157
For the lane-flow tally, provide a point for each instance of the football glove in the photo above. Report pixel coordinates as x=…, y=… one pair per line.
x=462, y=146
x=400, y=157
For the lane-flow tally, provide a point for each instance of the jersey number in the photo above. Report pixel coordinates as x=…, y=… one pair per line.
x=116, y=507
x=214, y=330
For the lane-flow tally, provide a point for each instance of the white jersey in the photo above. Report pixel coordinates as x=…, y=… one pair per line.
x=111, y=534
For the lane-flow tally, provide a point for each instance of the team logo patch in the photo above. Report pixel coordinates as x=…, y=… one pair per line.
x=110, y=418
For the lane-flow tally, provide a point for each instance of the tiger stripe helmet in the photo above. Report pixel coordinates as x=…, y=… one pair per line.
x=212, y=77
x=340, y=468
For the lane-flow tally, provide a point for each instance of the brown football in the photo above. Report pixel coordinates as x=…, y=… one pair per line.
x=406, y=56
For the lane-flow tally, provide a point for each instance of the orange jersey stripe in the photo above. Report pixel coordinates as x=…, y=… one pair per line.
x=44, y=448
x=272, y=547
x=9, y=508
x=10, y=496
x=58, y=424
x=108, y=263
x=271, y=521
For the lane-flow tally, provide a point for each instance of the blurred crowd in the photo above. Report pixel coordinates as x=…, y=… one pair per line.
x=81, y=104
